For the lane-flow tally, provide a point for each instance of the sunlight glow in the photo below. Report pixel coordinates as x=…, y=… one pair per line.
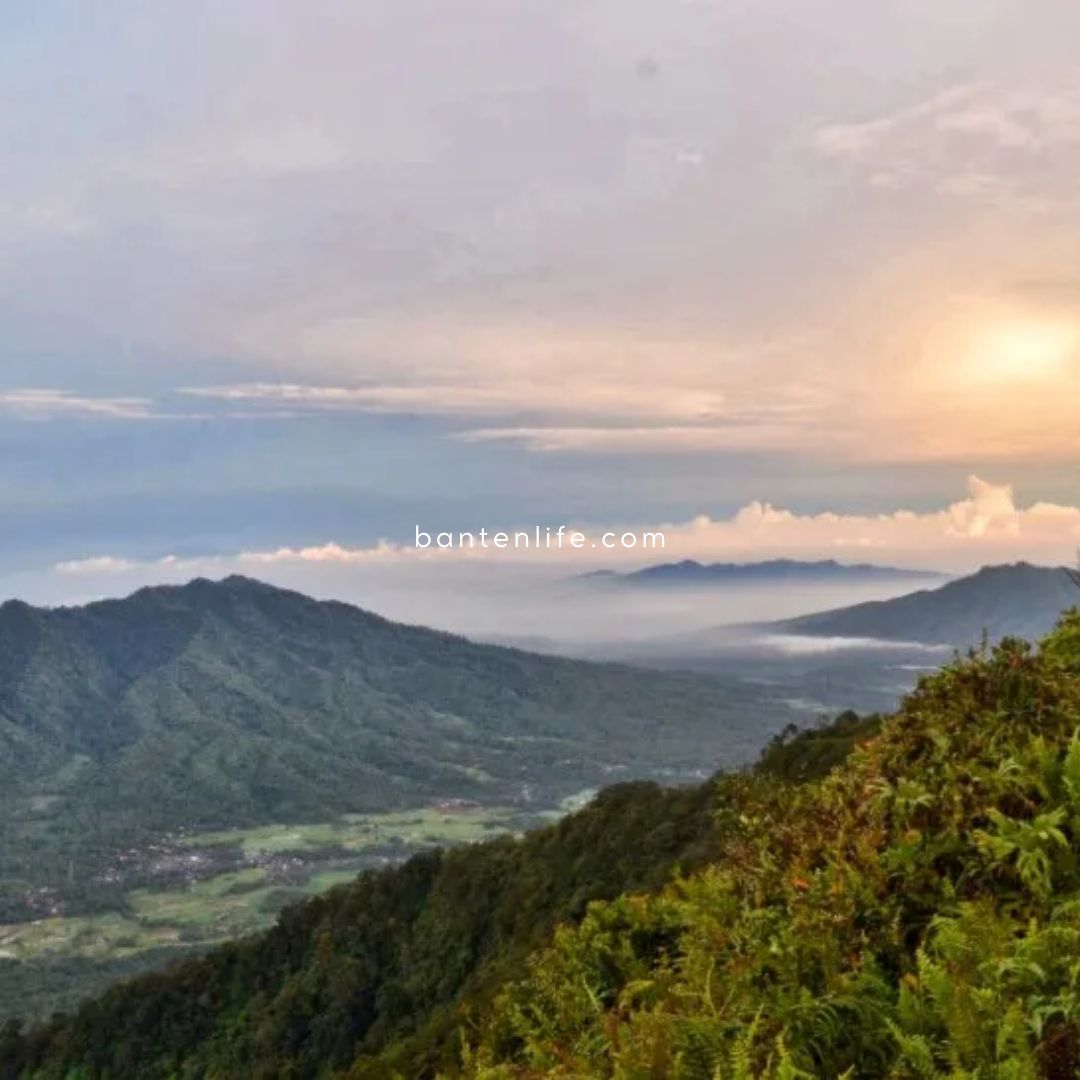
x=1024, y=351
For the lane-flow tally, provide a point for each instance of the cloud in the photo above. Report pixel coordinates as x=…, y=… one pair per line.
x=45, y=404
x=991, y=509
x=646, y=440
x=495, y=593
x=560, y=237
x=324, y=553
x=950, y=383
x=982, y=141
x=220, y=155
x=475, y=398
x=577, y=389
x=987, y=525
x=51, y=404
x=800, y=645
x=328, y=553
x=99, y=564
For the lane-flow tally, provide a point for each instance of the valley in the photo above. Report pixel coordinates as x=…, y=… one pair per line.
x=190, y=891
x=242, y=748
x=236, y=705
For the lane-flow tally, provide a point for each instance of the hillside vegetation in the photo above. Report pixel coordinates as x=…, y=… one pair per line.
x=374, y=978
x=915, y=912
x=1017, y=600
x=377, y=965
x=229, y=704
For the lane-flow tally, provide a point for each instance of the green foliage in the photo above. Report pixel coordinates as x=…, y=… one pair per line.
x=799, y=754
x=914, y=914
x=388, y=965
x=232, y=704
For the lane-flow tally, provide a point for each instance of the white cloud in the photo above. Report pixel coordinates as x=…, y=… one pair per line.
x=98, y=564
x=51, y=404
x=44, y=404
x=987, y=525
x=948, y=382
x=474, y=398
x=328, y=553
x=800, y=645
x=577, y=389
x=991, y=509
x=497, y=592
x=324, y=553
x=538, y=231
x=1018, y=143
x=752, y=435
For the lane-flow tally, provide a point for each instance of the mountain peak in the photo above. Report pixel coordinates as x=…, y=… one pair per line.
x=242, y=581
x=763, y=572
x=1003, y=600
x=243, y=702
x=199, y=588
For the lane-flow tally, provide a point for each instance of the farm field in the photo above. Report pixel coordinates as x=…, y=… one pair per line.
x=216, y=886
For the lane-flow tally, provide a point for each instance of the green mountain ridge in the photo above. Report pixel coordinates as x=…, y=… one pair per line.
x=1017, y=600
x=220, y=704
x=379, y=970
x=913, y=913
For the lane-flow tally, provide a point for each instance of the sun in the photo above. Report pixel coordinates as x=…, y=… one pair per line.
x=1023, y=351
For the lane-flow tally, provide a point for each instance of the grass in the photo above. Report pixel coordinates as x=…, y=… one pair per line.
x=97, y=936
x=361, y=832
x=221, y=905
x=247, y=898
x=328, y=879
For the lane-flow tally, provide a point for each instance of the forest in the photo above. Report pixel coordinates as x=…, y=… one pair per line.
x=893, y=896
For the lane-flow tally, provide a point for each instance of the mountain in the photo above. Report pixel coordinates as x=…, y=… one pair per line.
x=690, y=573
x=220, y=704
x=378, y=968
x=907, y=909
x=1018, y=600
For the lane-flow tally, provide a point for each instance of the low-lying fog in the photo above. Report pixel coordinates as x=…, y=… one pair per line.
x=537, y=610
x=548, y=609
x=544, y=607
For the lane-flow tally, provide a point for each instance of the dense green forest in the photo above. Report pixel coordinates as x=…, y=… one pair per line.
x=224, y=704
x=907, y=909
x=915, y=914
x=368, y=963
x=379, y=971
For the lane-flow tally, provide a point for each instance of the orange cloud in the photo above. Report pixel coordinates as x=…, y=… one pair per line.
x=988, y=525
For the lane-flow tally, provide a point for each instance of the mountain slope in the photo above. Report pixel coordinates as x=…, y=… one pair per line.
x=234, y=703
x=381, y=968
x=914, y=913
x=690, y=573
x=1018, y=600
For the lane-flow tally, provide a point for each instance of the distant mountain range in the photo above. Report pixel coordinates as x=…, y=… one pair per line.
x=233, y=703
x=1018, y=600
x=866, y=656
x=689, y=573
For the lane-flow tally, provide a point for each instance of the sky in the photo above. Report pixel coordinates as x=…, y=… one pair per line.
x=280, y=282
